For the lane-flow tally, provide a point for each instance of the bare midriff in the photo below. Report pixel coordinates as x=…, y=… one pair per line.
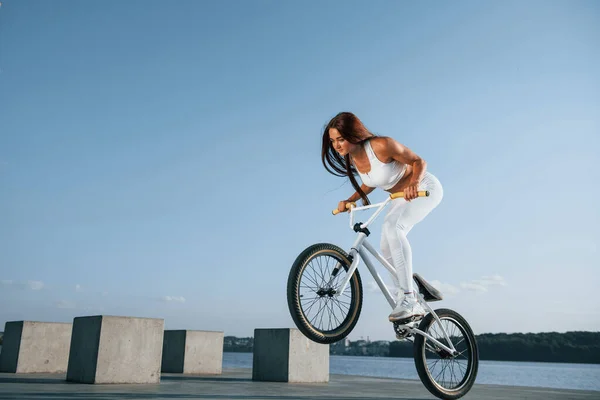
x=403, y=182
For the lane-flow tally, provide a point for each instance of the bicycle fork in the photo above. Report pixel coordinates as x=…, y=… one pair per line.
x=355, y=261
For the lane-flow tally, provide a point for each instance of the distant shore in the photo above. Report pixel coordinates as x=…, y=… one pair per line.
x=570, y=347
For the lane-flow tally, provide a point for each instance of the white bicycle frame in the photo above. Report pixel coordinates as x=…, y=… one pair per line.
x=360, y=247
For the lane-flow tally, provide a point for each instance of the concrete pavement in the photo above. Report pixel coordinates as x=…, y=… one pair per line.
x=237, y=384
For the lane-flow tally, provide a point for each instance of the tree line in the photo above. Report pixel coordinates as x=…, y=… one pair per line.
x=569, y=347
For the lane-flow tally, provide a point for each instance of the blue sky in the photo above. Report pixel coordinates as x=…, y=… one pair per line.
x=163, y=159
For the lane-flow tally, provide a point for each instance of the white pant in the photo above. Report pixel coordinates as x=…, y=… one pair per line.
x=401, y=217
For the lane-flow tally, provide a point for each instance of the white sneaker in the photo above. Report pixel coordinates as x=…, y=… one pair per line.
x=407, y=308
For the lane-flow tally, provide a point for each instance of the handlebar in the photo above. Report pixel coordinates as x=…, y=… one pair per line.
x=348, y=206
x=420, y=193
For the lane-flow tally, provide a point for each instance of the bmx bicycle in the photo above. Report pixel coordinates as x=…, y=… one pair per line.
x=325, y=294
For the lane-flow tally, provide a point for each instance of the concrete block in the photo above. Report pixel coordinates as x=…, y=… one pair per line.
x=192, y=352
x=35, y=347
x=286, y=355
x=109, y=349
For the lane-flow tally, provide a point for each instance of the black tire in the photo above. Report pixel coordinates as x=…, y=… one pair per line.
x=468, y=359
x=326, y=256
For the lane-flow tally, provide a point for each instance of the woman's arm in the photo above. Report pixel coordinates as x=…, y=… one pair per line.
x=389, y=148
x=355, y=197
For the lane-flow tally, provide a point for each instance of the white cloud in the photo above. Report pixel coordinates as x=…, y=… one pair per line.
x=78, y=288
x=93, y=309
x=445, y=288
x=35, y=285
x=481, y=285
x=474, y=287
x=176, y=299
x=31, y=285
x=69, y=305
x=65, y=304
x=372, y=287
x=491, y=281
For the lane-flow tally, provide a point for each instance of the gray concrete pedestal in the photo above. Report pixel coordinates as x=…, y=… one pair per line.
x=192, y=352
x=286, y=355
x=35, y=347
x=107, y=349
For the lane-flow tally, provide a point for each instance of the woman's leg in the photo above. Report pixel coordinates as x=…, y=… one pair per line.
x=386, y=253
x=398, y=222
x=388, y=234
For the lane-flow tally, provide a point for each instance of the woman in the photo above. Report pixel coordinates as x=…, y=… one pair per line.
x=381, y=162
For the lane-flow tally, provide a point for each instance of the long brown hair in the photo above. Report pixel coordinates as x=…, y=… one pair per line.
x=354, y=131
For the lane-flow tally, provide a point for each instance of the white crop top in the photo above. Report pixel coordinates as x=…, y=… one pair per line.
x=381, y=175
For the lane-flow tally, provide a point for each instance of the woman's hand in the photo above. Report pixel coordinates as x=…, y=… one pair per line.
x=411, y=192
x=342, y=205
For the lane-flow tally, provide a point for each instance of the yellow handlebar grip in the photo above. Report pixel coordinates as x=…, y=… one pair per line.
x=348, y=206
x=421, y=193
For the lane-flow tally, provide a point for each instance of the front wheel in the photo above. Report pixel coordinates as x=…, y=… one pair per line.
x=444, y=375
x=312, y=293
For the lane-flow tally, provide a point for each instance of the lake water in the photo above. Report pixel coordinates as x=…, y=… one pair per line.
x=548, y=375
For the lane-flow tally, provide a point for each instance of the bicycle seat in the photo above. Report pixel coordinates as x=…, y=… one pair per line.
x=429, y=292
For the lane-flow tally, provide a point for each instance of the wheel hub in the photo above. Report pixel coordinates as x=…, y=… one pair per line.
x=326, y=292
x=444, y=354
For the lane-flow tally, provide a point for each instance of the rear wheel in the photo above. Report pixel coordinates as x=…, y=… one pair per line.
x=444, y=375
x=314, y=280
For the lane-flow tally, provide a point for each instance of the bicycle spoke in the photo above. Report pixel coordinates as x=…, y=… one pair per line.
x=322, y=302
x=332, y=315
x=346, y=303
x=328, y=317
x=323, y=314
x=312, y=279
x=340, y=308
x=308, y=287
x=451, y=363
x=320, y=272
x=307, y=313
x=308, y=310
x=448, y=371
x=343, y=307
x=459, y=354
x=441, y=372
x=316, y=299
x=324, y=269
x=317, y=314
x=460, y=366
x=336, y=319
x=434, y=364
